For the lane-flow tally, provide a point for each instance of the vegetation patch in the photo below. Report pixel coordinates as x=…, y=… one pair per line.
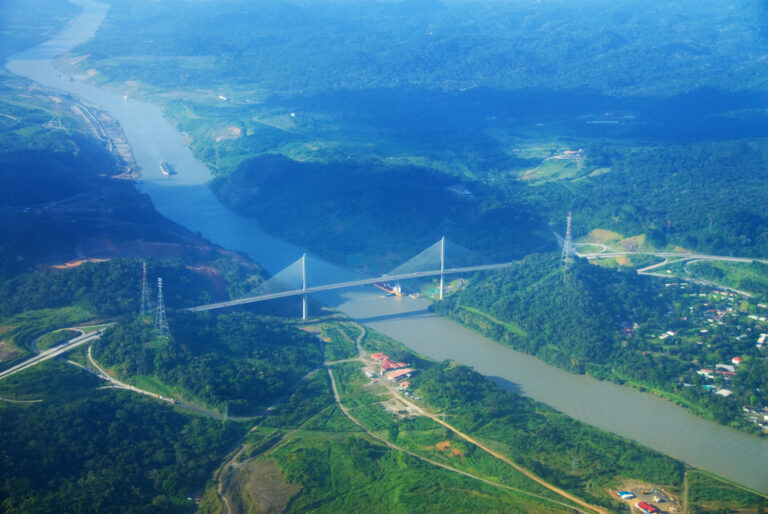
x=259, y=486
x=8, y=352
x=55, y=338
x=61, y=454
x=238, y=363
x=751, y=277
x=710, y=494
x=601, y=235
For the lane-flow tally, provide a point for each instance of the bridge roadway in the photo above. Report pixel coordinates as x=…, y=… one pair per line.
x=352, y=283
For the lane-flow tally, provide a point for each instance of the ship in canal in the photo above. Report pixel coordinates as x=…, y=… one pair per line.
x=394, y=289
x=166, y=168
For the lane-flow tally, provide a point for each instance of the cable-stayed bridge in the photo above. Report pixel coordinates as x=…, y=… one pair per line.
x=432, y=262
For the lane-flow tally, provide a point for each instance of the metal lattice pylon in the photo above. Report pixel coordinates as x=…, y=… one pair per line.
x=144, y=301
x=161, y=323
x=567, y=256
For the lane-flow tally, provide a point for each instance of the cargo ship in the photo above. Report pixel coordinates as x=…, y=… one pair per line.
x=394, y=289
x=166, y=168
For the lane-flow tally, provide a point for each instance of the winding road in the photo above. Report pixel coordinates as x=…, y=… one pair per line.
x=422, y=412
x=670, y=258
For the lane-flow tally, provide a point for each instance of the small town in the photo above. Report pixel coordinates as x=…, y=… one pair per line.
x=705, y=342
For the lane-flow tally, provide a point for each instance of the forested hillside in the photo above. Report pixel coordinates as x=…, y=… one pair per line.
x=81, y=448
x=25, y=23
x=104, y=288
x=666, y=336
x=452, y=45
x=235, y=363
x=379, y=214
x=703, y=197
x=567, y=318
x=392, y=100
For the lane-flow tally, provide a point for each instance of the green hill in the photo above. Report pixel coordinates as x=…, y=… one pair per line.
x=565, y=318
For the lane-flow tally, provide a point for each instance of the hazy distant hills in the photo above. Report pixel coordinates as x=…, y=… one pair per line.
x=619, y=48
x=667, y=100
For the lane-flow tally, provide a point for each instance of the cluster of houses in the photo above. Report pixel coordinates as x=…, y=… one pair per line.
x=725, y=370
x=756, y=416
x=717, y=323
x=393, y=371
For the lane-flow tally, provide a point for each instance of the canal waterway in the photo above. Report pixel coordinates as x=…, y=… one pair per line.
x=186, y=199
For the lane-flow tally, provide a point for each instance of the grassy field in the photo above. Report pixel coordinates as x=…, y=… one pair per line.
x=707, y=493
x=750, y=277
x=339, y=343
x=325, y=463
x=17, y=332
x=626, y=261
x=54, y=338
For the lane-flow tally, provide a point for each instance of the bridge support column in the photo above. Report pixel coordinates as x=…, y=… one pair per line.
x=304, y=286
x=442, y=265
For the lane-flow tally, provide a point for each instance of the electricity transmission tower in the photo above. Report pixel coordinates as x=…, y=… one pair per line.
x=161, y=324
x=567, y=257
x=144, y=300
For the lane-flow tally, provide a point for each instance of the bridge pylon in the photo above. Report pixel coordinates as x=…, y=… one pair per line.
x=304, y=286
x=442, y=266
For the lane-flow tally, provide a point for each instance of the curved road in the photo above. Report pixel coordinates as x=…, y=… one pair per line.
x=680, y=255
x=50, y=353
x=421, y=411
x=677, y=257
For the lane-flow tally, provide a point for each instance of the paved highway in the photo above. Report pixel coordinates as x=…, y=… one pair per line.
x=679, y=255
x=54, y=352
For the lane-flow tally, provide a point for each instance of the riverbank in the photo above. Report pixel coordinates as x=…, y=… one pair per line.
x=187, y=200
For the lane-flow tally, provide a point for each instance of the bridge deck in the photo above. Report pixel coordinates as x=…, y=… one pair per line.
x=451, y=271
x=343, y=285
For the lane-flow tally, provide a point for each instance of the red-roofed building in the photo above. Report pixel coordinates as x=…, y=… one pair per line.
x=387, y=364
x=400, y=374
x=646, y=507
x=736, y=360
x=379, y=356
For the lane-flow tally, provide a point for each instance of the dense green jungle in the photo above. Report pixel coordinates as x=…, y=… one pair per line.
x=477, y=157
x=365, y=131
